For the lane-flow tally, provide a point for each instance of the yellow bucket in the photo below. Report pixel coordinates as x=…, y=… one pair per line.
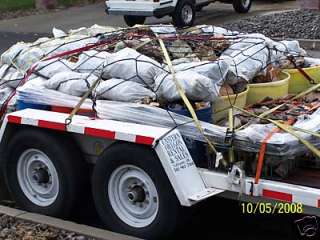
x=221, y=105
x=275, y=90
x=298, y=83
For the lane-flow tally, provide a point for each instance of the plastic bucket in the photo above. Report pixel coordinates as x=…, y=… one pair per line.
x=259, y=91
x=196, y=149
x=23, y=105
x=203, y=114
x=298, y=83
x=221, y=105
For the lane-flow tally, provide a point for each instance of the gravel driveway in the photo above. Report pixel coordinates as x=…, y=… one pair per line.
x=301, y=24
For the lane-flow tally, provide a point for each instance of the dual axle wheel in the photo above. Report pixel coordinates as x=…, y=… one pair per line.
x=46, y=174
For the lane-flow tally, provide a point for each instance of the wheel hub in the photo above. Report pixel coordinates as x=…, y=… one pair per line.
x=137, y=194
x=38, y=177
x=133, y=196
x=41, y=176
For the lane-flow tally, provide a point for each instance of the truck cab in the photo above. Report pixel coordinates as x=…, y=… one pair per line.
x=182, y=11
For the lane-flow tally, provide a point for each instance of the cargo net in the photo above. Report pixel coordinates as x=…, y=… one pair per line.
x=124, y=75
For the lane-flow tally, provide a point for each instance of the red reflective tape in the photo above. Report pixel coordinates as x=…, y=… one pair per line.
x=14, y=119
x=144, y=140
x=52, y=125
x=99, y=133
x=277, y=195
x=318, y=203
x=61, y=109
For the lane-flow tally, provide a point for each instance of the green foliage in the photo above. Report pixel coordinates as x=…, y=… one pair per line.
x=16, y=4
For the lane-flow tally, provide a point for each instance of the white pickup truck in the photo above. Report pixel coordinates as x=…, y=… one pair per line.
x=181, y=11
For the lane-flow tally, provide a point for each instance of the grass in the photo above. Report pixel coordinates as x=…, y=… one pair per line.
x=16, y=4
x=25, y=4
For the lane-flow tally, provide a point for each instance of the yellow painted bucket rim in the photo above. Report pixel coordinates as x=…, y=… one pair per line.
x=294, y=70
x=271, y=84
x=234, y=95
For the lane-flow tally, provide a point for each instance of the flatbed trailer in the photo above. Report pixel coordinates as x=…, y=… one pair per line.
x=140, y=177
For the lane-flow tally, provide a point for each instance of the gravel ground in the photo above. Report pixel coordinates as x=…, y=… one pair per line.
x=293, y=24
x=13, y=229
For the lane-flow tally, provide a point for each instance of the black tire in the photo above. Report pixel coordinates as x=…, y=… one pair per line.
x=178, y=16
x=242, y=7
x=133, y=20
x=69, y=166
x=169, y=211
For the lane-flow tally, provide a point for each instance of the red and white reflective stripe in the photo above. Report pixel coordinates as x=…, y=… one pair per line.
x=95, y=132
x=287, y=197
x=309, y=200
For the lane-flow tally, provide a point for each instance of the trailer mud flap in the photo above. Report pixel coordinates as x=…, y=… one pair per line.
x=182, y=171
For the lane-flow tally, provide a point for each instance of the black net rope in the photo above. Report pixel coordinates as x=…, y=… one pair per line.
x=150, y=48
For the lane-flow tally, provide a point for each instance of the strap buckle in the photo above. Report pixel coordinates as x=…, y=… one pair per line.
x=229, y=136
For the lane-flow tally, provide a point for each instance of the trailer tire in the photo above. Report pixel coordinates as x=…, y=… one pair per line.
x=242, y=6
x=184, y=13
x=44, y=172
x=147, y=207
x=133, y=20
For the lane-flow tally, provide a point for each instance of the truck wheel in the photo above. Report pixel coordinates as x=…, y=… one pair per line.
x=44, y=173
x=133, y=20
x=242, y=6
x=184, y=13
x=132, y=193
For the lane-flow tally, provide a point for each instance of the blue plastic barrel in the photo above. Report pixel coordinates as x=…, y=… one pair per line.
x=197, y=149
x=24, y=105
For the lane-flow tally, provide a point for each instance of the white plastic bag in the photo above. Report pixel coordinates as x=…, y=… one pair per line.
x=246, y=58
x=122, y=90
x=10, y=77
x=215, y=70
x=75, y=84
x=51, y=67
x=11, y=54
x=91, y=62
x=128, y=64
x=196, y=86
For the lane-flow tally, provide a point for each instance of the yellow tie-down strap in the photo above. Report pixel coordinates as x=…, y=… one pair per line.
x=186, y=100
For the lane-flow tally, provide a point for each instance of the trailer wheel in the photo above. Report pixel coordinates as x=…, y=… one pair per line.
x=133, y=20
x=132, y=193
x=184, y=13
x=44, y=173
x=242, y=6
